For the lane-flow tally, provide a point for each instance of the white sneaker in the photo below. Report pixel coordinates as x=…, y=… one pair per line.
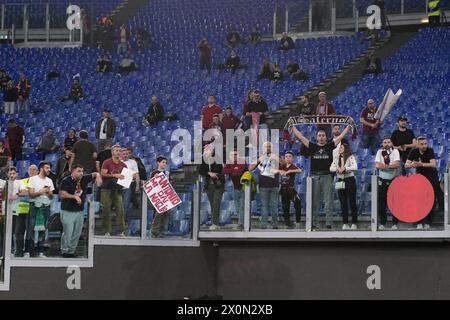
x=419, y=226
x=26, y=255
x=426, y=226
x=345, y=227
x=354, y=227
x=213, y=227
x=122, y=235
x=381, y=227
x=394, y=227
x=41, y=255
x=297, y=225
x=107, y=234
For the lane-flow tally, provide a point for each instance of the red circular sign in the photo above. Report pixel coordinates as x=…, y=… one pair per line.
x=410, y=198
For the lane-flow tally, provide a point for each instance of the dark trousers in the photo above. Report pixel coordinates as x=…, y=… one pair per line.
x=215, y=198
x=438, y=197
x=348, y=195
x=22, y=227
x=16, y=153
x=287, y=196
x=205, y=62
x=434, y=21
x=383, y=186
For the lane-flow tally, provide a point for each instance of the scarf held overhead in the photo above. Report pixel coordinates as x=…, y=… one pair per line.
x=293, y=121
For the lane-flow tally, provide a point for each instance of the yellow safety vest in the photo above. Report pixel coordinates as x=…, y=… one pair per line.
x=433, y=8
x=24, y=206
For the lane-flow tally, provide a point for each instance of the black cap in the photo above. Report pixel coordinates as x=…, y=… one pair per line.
x=402, y=118
x=106, y=109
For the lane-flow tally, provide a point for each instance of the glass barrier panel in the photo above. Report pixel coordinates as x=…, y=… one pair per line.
x=393, y=6
x=415, y=6
x=118, y=211
x=344, y=9
x=3, y=217
x=280, y=22
x=298, y=18
x=36, y=16
x=321, y=15
x=50, y=231
x=132, y=204
x=14, y=16
x=175, y=223
x=345, y=17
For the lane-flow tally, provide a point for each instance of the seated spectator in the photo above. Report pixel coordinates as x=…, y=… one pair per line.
x=4, y=79
x=48, y=143
x=266, y=70
x=10, y=96
x=255, y=36
x=373, y=65
x=277, y=74
x=293, y=70
x=233, y=38
x=233, y=62
x=71, y=138
x=286, y=42
x=127, y=65
x=104, y=64
x=76, y=92
x=155, y=113
x=4, y=152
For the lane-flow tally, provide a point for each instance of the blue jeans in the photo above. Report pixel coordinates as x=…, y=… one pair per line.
x=23, y=105
x=127, y=193
x=247, y=122
x=371, y=141
x=269, y=202
x=239, y=196
x=122, y=48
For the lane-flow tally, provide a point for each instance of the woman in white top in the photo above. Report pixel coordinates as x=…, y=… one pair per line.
x=344, y=164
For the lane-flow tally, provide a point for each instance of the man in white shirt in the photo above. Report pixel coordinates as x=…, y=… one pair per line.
x=387, y=161
x=13, y=196
x=127, y=158
x=40, y=188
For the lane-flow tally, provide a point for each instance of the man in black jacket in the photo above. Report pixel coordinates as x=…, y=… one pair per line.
x=155, y=113
x=63, y=164
x=286, y=42
x=105, y=130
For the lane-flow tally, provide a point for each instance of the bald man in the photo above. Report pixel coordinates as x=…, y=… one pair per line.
x=22, y=224
x=155, y=112
x=371, y=127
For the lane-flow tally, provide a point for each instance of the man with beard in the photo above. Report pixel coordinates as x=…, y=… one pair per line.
x=41, y=194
